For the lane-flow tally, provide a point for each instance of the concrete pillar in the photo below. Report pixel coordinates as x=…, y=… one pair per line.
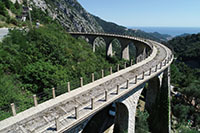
x=158, y=103
x=91, y=41
x=35, y=100
x=93, y=47
x=118, y=67
x=110, y=70
x=81, y=81
x=58, y=125
x=143, y=74
x=92, y=103
x=135, y=79
x=127, y=83
x=126, y=111
x=53, y=93
x=125, y=52
x=144, y=55
x=76, y=112
x=109, y=51
x=149, y=71
x=117, y=92
x=92, y=77
x=156, y=68
x=140, y=51
x=68, y=86
x=13, y=109
x=151, y=93
x=102, y=73
x=106, y=95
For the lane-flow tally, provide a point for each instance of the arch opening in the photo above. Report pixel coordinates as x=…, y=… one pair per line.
x=121, y=118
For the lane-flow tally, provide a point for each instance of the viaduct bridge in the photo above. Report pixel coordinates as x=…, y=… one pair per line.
x=74, y=111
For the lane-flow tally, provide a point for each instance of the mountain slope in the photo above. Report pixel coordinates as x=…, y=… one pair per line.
x=70, y=14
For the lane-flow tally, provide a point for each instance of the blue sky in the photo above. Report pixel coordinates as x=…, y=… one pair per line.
x=164, y=13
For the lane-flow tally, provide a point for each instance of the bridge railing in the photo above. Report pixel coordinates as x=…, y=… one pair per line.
x=7, y=110
x=142, y=77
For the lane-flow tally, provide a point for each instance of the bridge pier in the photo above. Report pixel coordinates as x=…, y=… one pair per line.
x=125, y=52
x=126, y=111
x=109, y=51
x=125, y=49
x=140, y=52
x=91, y=41
x=157, y=102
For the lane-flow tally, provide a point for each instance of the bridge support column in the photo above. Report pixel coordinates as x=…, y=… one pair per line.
x=152, y=92
x=126, y=111
x=91, y=41
x=140, y=52
x=125, y=52
x=109, y=51
x=158, y=103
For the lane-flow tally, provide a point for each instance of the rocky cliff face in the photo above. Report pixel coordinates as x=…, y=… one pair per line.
x=70, y=14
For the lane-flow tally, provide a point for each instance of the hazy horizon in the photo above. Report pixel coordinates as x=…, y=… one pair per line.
x=172, y=31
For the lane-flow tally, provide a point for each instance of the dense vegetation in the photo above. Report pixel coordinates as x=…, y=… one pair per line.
x=8, y=11
x=186, y=81
x=34, y=61
x=187, y=49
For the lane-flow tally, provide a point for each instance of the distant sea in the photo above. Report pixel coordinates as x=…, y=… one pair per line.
x=173, y=31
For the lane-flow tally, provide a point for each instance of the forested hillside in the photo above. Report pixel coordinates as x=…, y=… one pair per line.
x=187, y=49
x=185, y=77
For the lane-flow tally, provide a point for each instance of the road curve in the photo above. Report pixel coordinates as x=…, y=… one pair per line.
x=40, y=118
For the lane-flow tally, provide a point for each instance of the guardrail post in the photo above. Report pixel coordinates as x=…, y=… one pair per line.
x=35, y=100
x=68, y=87
x=92, y=77
x=13, y=109
x=143, y=75
x=81, y=81
x=106, y=95
x=102, y=73
x=156, y=68
x=76, y=112
x=131, y=62
x=127, y=83
x=164, y=63
x=110, y=70
x=92, y=103
x=117, y=92
x=57, y=124
x=149, y=71
x=135, y=79
x=118, y=67
x=53, y=93
x=124, y=65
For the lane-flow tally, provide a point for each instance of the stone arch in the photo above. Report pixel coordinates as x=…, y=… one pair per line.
x=99, y=43
x=98, y=125
x=132, y=51
x=116, y=47
x=121, y=118
x=154, y=85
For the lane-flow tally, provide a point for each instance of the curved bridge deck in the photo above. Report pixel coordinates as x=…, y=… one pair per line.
x=42, y=118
